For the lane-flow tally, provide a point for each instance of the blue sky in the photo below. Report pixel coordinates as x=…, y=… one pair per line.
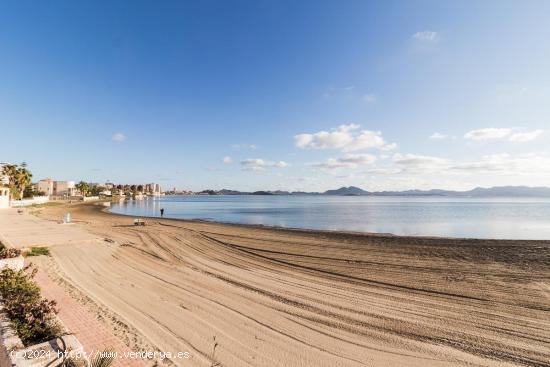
x=299, y=95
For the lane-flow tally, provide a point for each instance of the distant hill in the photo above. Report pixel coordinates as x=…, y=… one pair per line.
x=228, y=192
x=522, y=191
x=347, y=191
x=499, y=191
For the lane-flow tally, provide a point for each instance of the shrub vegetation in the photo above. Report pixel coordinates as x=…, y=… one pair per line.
x=37, y=251
x=32, y=316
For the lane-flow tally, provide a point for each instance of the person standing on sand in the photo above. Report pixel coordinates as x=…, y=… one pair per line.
x=162, y=212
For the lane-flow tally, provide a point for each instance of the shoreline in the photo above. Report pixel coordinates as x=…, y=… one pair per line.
x=325, y=231
x=285, y=297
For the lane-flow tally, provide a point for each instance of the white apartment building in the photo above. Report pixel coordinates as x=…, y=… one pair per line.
x=56, y=188
x=64, y=188
x=45, y=186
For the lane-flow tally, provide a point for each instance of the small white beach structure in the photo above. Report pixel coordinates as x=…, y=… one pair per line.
x=4, y=197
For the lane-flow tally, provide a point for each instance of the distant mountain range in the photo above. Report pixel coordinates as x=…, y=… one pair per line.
x=499, y=191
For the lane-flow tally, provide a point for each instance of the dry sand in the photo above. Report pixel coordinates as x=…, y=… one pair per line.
x=274, y=297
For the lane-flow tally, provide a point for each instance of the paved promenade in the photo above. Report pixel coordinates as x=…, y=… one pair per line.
x=93, y=335
x=25, y=230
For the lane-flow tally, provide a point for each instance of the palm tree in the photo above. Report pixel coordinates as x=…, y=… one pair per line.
x=10, y=170
x=22, y=179
x=19, y=179
x=83, y=187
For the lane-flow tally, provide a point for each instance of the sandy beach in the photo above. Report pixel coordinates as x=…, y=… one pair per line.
x=275, y=297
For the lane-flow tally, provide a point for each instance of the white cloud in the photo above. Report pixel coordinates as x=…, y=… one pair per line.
x=358, y=158
x=245, y=146
x=346, y=138
x=509, y=134
x=417, y=163
x=525, y=164
x=331, y=164
x=530, y=164
x=370, y=98
x=521, y=137
x=118, y=137
x=426, y=36
x=227, y=160
x=490, y=133
x=488, y=163
x=438, y=136
x=388, y=147
x=381, y=171
x=257, y=164
x=346, y=161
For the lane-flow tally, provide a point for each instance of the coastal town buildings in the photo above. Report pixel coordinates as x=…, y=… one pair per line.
x=45, y=186
x=64, y=188
x=152, y=188
x=56, y=188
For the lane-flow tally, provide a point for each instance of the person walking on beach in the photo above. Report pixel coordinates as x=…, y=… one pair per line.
x=162, y=212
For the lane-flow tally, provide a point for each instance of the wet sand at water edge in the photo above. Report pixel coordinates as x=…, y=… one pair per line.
x=276, y=297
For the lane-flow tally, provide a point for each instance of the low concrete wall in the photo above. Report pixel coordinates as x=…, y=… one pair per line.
x=4, y=202
x=47, y=354
x=15, y=263
x=27, y=202
x=8, y=340
x=90, y=198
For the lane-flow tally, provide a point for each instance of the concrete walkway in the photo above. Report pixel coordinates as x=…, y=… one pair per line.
x=25, y=230
x=93, y=336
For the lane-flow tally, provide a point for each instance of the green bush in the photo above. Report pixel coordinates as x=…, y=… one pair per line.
x=37, y=251
x=32, y=316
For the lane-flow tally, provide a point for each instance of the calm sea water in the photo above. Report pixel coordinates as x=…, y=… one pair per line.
x=453, y=217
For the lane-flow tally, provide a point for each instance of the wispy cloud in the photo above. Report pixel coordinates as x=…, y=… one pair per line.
x=426, y=36
x=417, y=163
x=227, y=160
x=525, y=136
x=347, y=138
x=527, y=164
x=370, y=98
x=346, y=161
x=358, y=158
x=331, y=164
x=509, y=134
x=258, y=164
x=438, y=136
x=119, y=137
x=245, y=146
x=506, y=164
